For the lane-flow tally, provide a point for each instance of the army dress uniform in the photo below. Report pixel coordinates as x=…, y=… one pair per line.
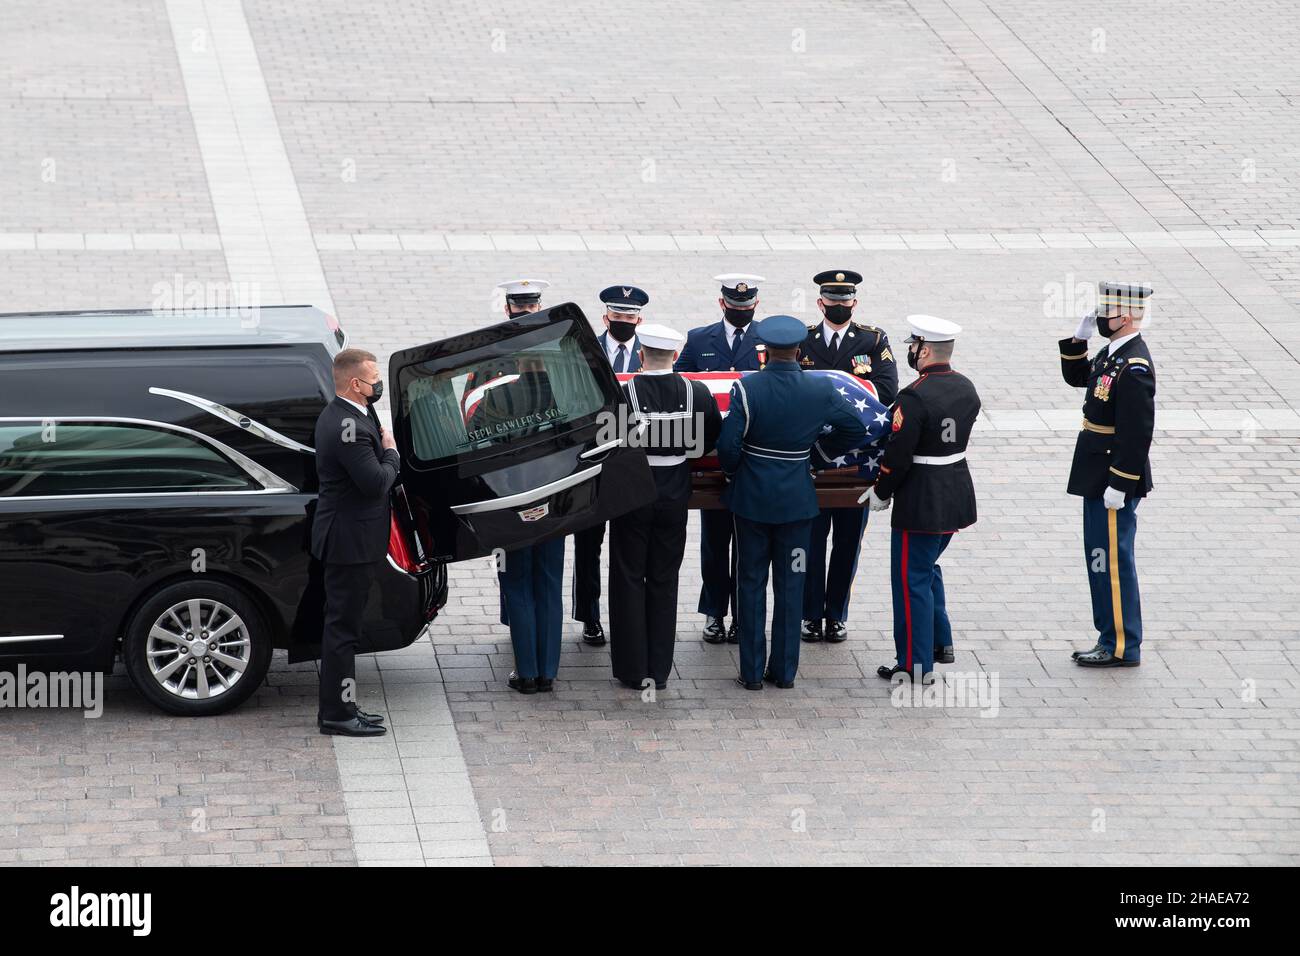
x=729, y=345
x=625, y=301
x=924, y=471
x=863, y=351
x=1111, y=456
x=531, y=578
x=772, y=424
x=646, y=545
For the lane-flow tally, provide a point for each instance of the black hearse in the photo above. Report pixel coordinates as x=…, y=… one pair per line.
x=157, y=482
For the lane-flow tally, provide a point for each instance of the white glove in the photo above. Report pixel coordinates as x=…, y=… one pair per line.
x=1087, y=328
x=872, y=501
x=1113, y=499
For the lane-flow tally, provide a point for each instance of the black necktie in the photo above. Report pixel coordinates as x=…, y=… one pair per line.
x=735, y=341
x=620, y=360
x=835, y=342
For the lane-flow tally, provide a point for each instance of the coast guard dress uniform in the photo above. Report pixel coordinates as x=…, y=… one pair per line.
x=726, y=346
x=1111, y=470
x=772, y=423
x=532, y=577
x=839, y=343
x=623, y=305
x=646, y=545
x=924, y=471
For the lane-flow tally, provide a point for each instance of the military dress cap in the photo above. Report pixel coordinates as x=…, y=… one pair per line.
x=627, y=299
x=524, y=291
x=781, y=331
x=660, y=337
x=738, y=288
x=838, y=285
x=1126, y=296
x=931, y=328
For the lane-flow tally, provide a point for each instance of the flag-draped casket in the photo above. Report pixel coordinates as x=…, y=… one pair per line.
x=840, y=482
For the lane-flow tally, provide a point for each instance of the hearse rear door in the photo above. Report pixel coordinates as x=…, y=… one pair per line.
x=513, y=434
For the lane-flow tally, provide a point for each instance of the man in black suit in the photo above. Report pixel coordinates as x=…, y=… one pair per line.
x=357, y=464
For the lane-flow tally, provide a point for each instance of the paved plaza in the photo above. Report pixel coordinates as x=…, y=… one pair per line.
x=983, y=160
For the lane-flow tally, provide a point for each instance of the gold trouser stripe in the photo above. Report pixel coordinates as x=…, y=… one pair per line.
x=1099, y=429
x=1081, y=355
x=1125, y=474
x=1117, y=607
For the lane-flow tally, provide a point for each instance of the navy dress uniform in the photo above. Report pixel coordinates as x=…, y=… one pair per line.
x=839, y=343
x=531, y=578
x=773, y=422
x=1111, y=470
x=623, y=305
x=726, y=346
x=646, y=545
x=924, y=471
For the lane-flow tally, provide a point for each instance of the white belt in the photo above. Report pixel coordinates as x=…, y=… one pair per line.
x=938, y=460
x=664, y=461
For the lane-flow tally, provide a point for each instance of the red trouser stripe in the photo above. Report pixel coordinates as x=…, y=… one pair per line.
x=907, y=604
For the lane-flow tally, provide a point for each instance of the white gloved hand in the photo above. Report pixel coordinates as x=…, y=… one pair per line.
x=1113, y=499
x=1087, y=328
x=870, y=499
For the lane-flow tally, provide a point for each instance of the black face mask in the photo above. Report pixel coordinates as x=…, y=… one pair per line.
x=1104, y=325
x=913, y=357
x=621, y=331
x=838, y=314
x=738, y=317
x=376, y=392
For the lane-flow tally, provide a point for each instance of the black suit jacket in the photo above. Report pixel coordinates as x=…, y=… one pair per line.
x=864, y=351
x=356, y=474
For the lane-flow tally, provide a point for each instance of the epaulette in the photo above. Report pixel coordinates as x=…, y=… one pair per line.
x=813, y=328
x=864, y=328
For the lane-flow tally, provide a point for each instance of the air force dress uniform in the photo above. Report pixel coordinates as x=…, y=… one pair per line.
x=924, y=470
x=726, y=346
x=646, y=545
x=532, y=577
x=773, y=421
x=625, y=301
x=863, y=351
x=1112, y=472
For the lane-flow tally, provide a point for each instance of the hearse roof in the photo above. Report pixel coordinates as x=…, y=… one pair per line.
x=168, y=328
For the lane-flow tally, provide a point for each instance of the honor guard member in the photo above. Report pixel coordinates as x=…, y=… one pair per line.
x=726, y=346
x=623, y=305
x=646, y=545
x=1111, y=470
x=924, y=472
x=773, y=421
x=531, y=577
x=839, y=343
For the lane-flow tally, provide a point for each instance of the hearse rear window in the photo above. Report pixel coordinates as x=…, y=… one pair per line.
x=533, y=384
x=89, y=458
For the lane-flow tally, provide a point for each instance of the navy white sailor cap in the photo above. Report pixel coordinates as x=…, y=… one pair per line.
x=524, y=291
x=739, y=289
x=657, y=336
x=627, y=299
x=931, y=328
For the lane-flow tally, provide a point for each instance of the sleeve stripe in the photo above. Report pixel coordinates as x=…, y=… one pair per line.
x=1083, y=355
x=1124, y=474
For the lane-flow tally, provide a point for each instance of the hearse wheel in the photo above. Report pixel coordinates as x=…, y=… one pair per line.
x=197, y=648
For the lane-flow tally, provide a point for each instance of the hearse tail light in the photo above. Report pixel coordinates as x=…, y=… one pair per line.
x=400, y=550
x=332, y=324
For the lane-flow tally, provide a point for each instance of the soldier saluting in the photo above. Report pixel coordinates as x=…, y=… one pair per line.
x=839, y=343
x=924, y=470
x=1111, y=469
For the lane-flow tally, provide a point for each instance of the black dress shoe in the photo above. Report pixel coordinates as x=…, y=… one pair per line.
x=525, y=685
x=749, y=684
x=783, y=684
x=1100, y=657
x=733, y=633
x=368, y=718
x=836, y=632
x=811, y=631
x=888, y=672
x=661, y=685
x=1074, y=656
x=630, y=684
x=944, y=655
x=593, y=634
x=545, y=685
x=352, y=727
x=714, y=631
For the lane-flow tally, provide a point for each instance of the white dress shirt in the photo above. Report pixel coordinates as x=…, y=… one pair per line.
x=1114, y=345
x=827, y=332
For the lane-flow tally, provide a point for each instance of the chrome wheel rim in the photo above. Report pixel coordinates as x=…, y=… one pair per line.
x=198, y=649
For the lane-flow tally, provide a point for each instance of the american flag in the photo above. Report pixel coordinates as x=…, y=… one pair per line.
x=862, y=400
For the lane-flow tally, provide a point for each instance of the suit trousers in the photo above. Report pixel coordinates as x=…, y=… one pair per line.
x=532, y=604
x=920, y=605
x=784, y=549
x=829, y=585
x=717, y=563
x=347, y=587
x=645, y=558
x=1108, y=541
x=586, y=574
